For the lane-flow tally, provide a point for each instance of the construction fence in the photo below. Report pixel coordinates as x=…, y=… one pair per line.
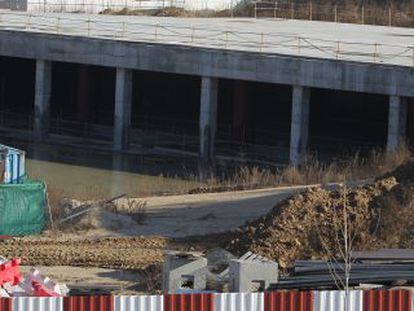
x=23, y=208
x=358, y=13
x=357, y=300
x=258, y=146
x=364, y=14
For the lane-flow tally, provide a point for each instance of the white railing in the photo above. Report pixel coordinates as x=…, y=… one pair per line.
x=192, y=32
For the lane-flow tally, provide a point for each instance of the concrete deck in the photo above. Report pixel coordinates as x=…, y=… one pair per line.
x=324, y=40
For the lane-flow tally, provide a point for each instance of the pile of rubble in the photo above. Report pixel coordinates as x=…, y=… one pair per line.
x=292, y=229
x=13, y=283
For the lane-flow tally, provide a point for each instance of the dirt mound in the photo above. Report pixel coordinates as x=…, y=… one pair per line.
x=91, y=215
x=293, y=228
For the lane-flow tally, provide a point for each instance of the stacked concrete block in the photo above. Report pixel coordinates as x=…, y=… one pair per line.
x=252, y=273
x=184, y=271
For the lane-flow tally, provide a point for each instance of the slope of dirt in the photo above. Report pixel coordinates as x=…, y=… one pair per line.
x=296, y=227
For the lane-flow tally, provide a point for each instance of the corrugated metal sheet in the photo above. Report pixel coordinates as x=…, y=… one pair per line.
x=139, y=303
x=189, y=302
x=88, y=303
x=13, y=163
x=335, y=300
x=5, y=304
x=387, y=300
x=289, y=301
x=37, y=304
x=239, y=302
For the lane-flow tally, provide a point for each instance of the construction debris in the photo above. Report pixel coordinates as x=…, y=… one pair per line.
x=387, y=267
x=291, y=229
x=12, y=282
x=76, y=210
x=184, y=271
x=251, y=274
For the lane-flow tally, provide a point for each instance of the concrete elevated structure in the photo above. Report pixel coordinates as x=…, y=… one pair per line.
x=300, y=54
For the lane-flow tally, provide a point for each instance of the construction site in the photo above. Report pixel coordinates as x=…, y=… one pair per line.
x=272, y=164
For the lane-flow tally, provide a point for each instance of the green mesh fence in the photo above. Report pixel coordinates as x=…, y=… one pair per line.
x=22, y=208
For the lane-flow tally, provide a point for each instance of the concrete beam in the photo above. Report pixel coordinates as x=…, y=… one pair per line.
x=299, y=124
x=237, y=65
x=123, y=101
x=43, y=89
x=397, y=122
x=208, y=119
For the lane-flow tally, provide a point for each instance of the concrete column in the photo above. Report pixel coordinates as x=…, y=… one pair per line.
x=43, y=89
x=208, y=118
x=123, y=100
x=299, y=124
x=397, y=122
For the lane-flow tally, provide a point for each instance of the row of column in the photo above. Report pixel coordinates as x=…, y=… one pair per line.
x=208, y=114
x=397, y=123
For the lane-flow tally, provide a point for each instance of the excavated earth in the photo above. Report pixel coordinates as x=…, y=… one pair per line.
x=114, y=253
x=381, y=215
x=308, y=225
x=128, y=253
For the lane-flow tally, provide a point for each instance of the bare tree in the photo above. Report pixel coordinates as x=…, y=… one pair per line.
x=338, y=239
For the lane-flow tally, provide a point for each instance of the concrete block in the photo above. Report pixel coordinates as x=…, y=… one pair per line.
x=252, y=274
x=184, y=271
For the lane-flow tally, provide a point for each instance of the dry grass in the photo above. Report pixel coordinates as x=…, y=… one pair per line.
x=312, y=171
x=399, y=13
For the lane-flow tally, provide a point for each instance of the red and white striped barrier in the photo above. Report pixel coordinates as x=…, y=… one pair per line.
x=372, y=300
x=10, y=272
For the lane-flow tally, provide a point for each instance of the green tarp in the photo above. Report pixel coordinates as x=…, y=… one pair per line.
x=23, y=208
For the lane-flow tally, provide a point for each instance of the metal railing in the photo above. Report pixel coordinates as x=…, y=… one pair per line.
x=384, y=15
x=268, y=147
x=219, y=36
x=360, y=13
x=101, y=7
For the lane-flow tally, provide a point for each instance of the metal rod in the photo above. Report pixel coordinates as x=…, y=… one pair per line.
x=389, y=17
x=362, y=15
x=310, y=11
x=336, y=13
x=261, y=41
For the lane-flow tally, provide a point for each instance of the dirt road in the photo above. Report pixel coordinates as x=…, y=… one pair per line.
x=201, y=214
x=185, y=222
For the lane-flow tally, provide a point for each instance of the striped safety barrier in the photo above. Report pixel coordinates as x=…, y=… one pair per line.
x=357, y=300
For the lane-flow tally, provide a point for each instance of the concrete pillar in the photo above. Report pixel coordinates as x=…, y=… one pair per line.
x=299, y=124
x=208, y=118
x=43, y=89
x=123, y=101
x=397, y=122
